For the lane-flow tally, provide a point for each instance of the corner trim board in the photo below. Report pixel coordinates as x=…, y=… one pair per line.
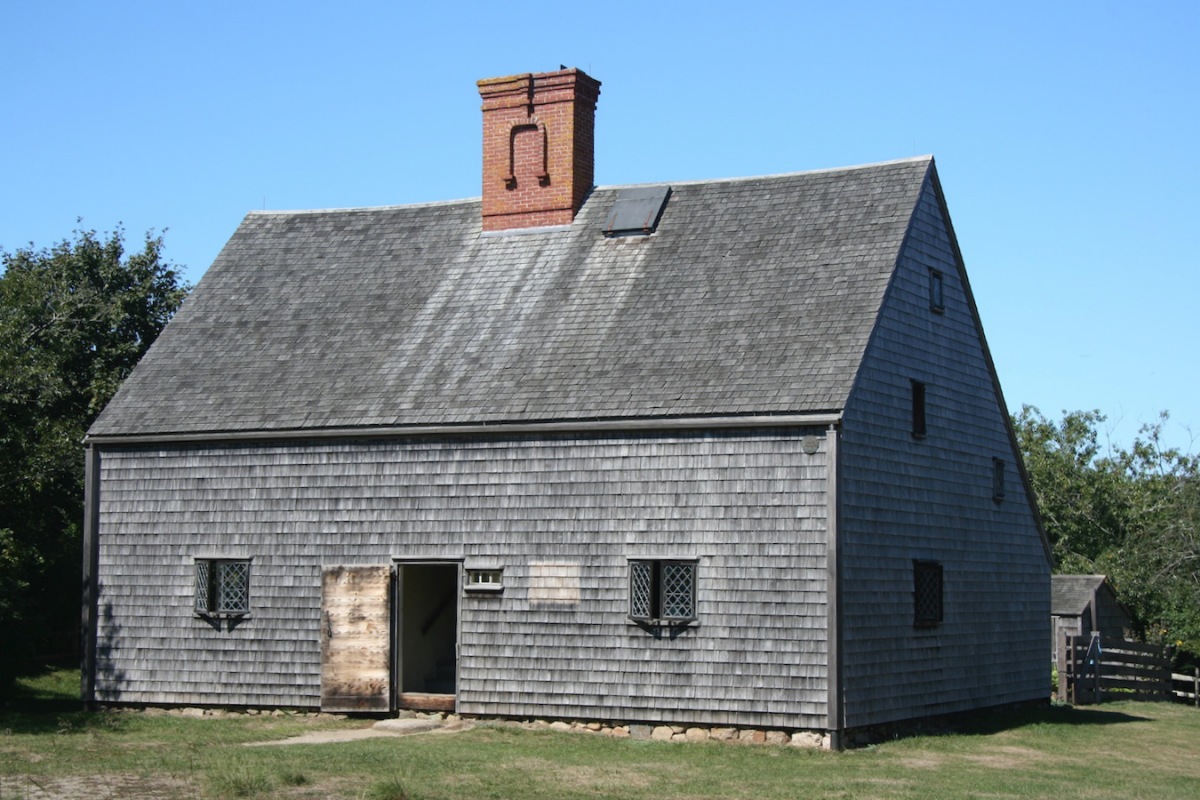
x=91, y=565
x=833, y=590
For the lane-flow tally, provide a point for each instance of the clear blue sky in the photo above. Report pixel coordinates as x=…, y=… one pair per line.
x=1067, y=136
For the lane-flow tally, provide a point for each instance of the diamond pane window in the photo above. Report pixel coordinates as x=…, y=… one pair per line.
x=927, y=593
x=202, y=587
x=662, y=591
x=233, y=587
x=678, y=591
x=641, y=589
x=222, y=586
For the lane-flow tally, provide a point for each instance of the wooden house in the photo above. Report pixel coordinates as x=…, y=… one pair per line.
x=723, y=452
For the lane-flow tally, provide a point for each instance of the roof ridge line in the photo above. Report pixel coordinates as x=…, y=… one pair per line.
x=351, y=209
x=922, y=159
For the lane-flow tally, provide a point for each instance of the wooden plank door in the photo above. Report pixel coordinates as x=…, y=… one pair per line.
x=356, y=638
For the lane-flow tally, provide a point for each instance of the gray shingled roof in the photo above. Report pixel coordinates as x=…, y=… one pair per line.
x=1071, y=594
x=755, y=295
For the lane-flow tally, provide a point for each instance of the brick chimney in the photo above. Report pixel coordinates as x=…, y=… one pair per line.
x=538, y=142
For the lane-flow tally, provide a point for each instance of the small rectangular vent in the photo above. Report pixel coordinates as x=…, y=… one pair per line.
x=636, y=211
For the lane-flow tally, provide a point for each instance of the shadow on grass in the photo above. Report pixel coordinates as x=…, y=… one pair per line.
x=45, y=700
x=986, y=723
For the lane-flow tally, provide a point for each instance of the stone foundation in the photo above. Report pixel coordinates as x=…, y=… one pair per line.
x=677, y=733
x=818, y=740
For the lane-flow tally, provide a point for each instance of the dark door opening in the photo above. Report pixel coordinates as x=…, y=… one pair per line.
x=427, y=618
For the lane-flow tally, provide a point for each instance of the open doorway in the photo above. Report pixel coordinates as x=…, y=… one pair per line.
x=427, y=635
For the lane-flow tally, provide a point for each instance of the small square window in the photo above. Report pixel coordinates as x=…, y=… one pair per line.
x=998, y=479
x=222, y=587
x=662, y=591
x=485, y=580
x=918, y=409
x=937, y=291
x=927, y=594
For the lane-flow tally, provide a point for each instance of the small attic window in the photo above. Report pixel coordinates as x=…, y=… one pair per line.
x=998, y=480
x=636, y=211
x=937, y=291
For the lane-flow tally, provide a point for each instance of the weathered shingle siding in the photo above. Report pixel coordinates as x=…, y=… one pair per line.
x=906, y=498
x=750, y=505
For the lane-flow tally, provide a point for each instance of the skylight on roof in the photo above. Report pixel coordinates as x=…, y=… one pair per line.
x=636, y=210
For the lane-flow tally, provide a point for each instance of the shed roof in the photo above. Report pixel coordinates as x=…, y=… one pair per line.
x=754, y=296
x=1070, y=595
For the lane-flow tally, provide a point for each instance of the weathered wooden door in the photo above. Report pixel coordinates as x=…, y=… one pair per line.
x=356, y=638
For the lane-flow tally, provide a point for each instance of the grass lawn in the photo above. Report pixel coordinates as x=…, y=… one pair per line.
x=51, y=748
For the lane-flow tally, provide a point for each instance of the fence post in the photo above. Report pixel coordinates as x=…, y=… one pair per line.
x=1074, y=672
x=1196, y=687
x=1098, y=698
x=1064, y=641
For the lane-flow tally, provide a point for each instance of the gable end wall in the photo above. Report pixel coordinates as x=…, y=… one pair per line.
x=905, y=498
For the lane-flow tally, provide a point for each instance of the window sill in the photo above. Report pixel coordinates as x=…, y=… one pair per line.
x=484, y=589
x=662, y=623
x=239, y=615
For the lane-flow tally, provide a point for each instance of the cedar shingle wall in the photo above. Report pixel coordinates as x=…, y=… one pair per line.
x=931, y=498
x=750, y=506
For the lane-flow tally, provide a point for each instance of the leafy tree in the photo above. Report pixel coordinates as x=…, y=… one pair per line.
x=1133, y=514
x=74, y=320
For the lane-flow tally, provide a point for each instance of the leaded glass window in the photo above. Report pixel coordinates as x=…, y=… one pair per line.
x=678, y=591
x=662, y=591
x=222, y=586
x=641, y=589
x=203, y=586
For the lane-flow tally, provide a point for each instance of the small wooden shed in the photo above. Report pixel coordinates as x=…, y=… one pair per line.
x=1084, y=604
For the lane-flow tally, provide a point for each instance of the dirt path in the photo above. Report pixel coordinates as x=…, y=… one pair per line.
x=386, y=727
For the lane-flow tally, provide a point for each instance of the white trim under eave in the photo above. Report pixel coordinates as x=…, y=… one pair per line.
x=399, y=431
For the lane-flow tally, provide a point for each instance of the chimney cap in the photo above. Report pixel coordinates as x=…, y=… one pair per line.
x=525, y=80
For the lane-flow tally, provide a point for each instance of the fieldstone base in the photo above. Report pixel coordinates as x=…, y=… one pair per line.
x=818, y=740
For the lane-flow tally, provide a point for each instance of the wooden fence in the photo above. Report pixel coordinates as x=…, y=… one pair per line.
x=1186, y=688
x=1092, y=669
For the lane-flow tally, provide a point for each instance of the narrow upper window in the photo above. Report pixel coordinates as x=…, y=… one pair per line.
x=918, y=409
x=222, y=586
x=937, y=293
x=998, y=479
x=662, y=591
x=927, y=594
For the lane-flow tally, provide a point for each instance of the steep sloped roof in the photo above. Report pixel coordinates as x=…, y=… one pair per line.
x=755, y=296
